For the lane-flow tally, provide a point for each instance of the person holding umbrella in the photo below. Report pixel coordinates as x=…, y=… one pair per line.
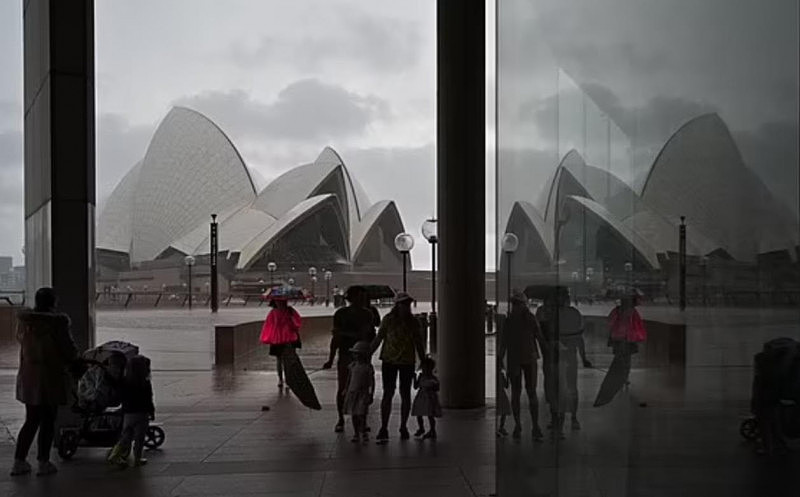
x=401, y=335
x=519, y=338
x=626, y=332
x=281, y=328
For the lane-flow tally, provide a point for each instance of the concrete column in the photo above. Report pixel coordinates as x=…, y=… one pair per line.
x=461, y=200
x=60, y=155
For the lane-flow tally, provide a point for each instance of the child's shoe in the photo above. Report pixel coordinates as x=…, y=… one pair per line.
x=431, y=435
x=140, y=462
x=46, y=468
x=419, y=433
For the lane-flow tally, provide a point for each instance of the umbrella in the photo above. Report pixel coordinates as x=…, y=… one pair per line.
x=378, y=292
x=284, y=293
x=615, y=379
x=298, y=381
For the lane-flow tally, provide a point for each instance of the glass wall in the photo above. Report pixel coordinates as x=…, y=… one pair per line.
x=648, y=166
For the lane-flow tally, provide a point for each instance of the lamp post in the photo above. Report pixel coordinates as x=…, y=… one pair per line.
x=628, y=273
x=510, y=245
x=430, y=232
x=404, y=243
x=214, y=237
x=328, y=278
x=271, y=267
x=189, y=261
x=682, y=264
x=312, y=272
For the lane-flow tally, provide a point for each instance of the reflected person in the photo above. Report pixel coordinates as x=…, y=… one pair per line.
x=519, y=337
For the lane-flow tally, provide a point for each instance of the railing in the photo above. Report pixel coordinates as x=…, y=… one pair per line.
x=127, y=299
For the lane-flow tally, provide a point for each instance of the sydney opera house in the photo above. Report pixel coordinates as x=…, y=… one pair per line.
x=313, y=215
x=590, y=222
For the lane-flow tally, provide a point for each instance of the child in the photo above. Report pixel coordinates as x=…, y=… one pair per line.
x=360, y=390
x=138, y=410
x=503, y=404
x=426, y=403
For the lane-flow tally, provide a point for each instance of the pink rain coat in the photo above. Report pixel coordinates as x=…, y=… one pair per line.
x=627, y=325
x=281, y=326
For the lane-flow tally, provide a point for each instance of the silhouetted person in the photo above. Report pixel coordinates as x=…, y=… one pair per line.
x=46, y=349
x=138, y=410
x=426, y=403
x=776, y=381
x=518, y=346
x=360, y=389
x=562, y=329
x=401, y=335
x=351, y=324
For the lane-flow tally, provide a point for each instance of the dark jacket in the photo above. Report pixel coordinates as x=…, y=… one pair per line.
x=46, y=349
x=138, y=398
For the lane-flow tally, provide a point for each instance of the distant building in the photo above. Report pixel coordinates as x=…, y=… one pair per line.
x=6, y=263
x=314, y=215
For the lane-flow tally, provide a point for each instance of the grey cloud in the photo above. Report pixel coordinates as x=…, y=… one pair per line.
x=120, y=145
x=382, y=44
x=304, y=110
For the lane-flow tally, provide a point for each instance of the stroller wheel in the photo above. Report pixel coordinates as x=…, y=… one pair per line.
x=749, y=429
x=154, y=438
x=67, y=445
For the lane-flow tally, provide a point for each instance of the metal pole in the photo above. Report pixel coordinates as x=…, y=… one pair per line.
x=405, y=263
x=682, y=264
x=214, y=250
x=432, y=321
x=190, y=287
x=433, y=277
x=508, y=285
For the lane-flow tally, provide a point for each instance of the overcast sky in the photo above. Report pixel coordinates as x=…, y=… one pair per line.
x=284, y=79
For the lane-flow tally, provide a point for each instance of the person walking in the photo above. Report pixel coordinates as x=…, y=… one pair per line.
x=519, y=338
x=138, y=410
x=281, y=330
x=360, y=389
x=626, y=331
x=351, y=324
x=46, y=349
x=401, y=335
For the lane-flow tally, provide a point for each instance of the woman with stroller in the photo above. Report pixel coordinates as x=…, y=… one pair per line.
x=138, y=410
x=46, y=349
x=281, y=331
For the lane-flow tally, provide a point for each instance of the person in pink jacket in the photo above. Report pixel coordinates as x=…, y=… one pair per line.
x=626, y=330
x=281, y=330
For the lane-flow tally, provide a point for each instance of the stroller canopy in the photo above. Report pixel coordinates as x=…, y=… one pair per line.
x=103, y=352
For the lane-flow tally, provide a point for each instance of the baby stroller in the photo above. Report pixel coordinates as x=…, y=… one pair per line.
x=776, y=395
x=95, y=417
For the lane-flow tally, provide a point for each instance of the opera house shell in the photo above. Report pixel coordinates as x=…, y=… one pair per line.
x=315, y=214
x=603, y=223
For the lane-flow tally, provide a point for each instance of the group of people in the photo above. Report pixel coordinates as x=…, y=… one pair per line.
x=47, y=353
x=554, y=334
x=353, y=343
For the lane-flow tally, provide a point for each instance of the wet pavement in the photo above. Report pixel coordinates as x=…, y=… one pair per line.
x=672, y=433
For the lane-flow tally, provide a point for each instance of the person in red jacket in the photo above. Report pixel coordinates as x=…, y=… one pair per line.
x=626, y=330
x=281, y=330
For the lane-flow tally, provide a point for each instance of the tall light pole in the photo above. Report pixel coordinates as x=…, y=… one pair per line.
x=430, y=232
x=510, y=245
x=404, y=243
x=189, y=261
x=682, y=264
x=312, y=272
x=628, y=276
x=271, y=267
x=214, y=228
x=328, y=278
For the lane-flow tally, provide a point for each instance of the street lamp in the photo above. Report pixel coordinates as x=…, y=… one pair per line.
x=404, y=243
x=312, y=272
x=213, y=252
x=189, y=261
x=430, y=233
x=328, y=278
x=271, y=267
x=509, y=246
x=628, y=272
